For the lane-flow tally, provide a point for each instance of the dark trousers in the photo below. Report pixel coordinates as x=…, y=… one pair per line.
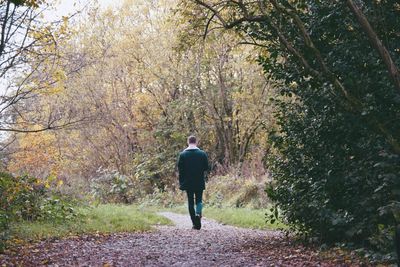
x=397, y=243
x=199, y=202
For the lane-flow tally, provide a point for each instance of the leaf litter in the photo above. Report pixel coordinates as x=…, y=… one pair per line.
x=214, y=245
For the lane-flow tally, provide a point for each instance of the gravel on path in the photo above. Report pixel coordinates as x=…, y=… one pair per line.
x=214, y=245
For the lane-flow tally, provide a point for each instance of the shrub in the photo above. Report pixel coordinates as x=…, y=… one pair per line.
x=333, y=178
x=112, y=187
x=164, y=198
x=231, y=190
x=29, y=198
x=109, y=186
x=57, y=209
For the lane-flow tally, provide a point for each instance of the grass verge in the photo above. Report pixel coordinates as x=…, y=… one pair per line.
x=241, y=217
x=102, y=219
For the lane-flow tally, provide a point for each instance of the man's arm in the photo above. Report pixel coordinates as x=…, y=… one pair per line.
x=206, y=167
x=180, y=172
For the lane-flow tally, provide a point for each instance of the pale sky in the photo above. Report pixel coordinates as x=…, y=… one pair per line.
x=68, y=7
x=64, y=8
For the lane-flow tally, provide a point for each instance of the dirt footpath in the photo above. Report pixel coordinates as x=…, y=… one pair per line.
x=214, y=245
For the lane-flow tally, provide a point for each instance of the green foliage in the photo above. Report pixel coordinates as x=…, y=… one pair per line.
x=57, y=209
x=21, y=196
x=142, y=187
x=28, y=199
x=151, y=173
x=19, y=199
x=5, y=208
x=336, y=171
x=111, y=186
x=155, y=167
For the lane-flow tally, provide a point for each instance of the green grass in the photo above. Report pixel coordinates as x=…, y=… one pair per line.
x=241, y=217
x=112, y=218
x=102, y=219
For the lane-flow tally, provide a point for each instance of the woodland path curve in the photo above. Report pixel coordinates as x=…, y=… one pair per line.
x=214, y=245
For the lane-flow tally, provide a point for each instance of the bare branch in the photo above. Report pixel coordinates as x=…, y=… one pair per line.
x=45, y=128
x=3, y=28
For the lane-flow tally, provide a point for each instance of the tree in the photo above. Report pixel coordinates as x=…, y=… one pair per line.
x=259, y=20
x=28, y=54
x=336, y=150
x=145, y=94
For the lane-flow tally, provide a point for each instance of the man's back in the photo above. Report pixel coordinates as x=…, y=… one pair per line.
x=192, y=164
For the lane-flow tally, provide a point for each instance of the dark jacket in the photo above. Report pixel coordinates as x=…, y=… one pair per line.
x=192, y=165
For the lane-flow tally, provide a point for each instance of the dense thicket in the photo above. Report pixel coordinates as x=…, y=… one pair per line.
x=144, y=92
x=335, y=159
x=339, y=174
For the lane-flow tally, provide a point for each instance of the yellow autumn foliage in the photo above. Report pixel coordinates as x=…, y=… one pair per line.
x=37, y=155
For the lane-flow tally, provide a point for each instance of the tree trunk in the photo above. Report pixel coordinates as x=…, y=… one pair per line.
x=376, y=43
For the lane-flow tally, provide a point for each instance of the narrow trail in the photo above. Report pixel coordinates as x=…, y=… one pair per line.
x=214, y=245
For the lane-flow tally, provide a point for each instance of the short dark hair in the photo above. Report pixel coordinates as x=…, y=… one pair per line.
x=192, y=139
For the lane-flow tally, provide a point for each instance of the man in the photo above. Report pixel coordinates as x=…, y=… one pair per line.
x=192, y=165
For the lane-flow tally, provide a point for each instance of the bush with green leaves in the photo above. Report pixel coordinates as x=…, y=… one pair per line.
x=111, y=186
x=20, y=196
x=57, y=209
x=28, y=198
x=334, y=160
x=232, y=190
x=6, y=185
